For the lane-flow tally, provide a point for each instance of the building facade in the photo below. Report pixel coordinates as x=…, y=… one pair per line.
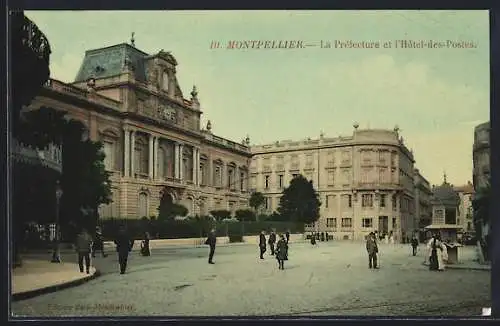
x=481, y=156
x=131, y=102
x=365, y=181
x=423, y=207
x=465, y=210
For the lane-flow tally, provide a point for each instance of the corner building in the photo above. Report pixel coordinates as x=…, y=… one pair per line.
x=365, y=181
x=131, y=101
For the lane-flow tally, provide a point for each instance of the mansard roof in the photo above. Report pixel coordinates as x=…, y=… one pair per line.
x=111, y=61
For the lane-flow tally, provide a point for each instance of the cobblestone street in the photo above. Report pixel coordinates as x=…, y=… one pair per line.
x=331, y=279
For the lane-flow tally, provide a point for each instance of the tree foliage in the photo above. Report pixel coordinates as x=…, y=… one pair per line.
x=257, y=199
x=300, y=202
x=245, y=215
x=168, y=210
x=221, y=214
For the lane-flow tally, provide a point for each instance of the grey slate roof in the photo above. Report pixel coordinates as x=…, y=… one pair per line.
x=445, y=195
x=110, y=61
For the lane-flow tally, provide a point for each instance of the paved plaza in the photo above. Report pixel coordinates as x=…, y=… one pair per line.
x=330, y=279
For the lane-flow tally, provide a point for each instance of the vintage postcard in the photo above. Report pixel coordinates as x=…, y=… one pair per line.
x=250, y=163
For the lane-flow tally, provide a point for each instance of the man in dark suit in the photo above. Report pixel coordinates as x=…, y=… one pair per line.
x=262, y=244
x=272, y=241
x=124, y=245
x=372, y=249
x=211, y=241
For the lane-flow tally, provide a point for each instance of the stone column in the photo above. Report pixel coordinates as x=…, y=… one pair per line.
x=176, y=161
x=132, y=153
x=198, y=181
x=126, y=152
x=195, y=166
x=181, y=172
x=156, y=161
x=151, y=156
x=210, y=171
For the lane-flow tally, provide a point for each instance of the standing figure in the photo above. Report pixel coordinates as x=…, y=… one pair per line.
x=414, y=245
x=262, y=244
x=83, y=248
x=145, y=245
x=322, y=236
x=287, y=234
x=98, y=243
x=211, y=241
x=124, y=245
x=372, y=249
x=437, y=253
x=281, y=251
x=391, y=238
x=313, y=239
x=326, y=236
x=272, y=241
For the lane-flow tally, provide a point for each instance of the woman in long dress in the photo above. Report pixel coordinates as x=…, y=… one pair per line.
x=281, y=251
x=437, y=254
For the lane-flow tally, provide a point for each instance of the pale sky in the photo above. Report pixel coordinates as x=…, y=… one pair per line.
x=436, y=96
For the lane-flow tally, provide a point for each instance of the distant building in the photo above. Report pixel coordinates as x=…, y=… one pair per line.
x=465, y=216
x=481, y=156
x=365, y=181
x=423, y=194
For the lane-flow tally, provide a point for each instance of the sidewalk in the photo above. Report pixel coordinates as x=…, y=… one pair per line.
x=36, y=277
x=468, y=260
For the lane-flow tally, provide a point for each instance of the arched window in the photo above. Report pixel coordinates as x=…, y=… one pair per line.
x=143, y=205
x=187, y=158
x=161, y=162
x=109, y=141
x=164, y=81
x=141, y=156
x=169, y=159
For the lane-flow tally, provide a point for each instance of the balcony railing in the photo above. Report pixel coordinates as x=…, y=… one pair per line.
x=50, y=157
x=33, y=38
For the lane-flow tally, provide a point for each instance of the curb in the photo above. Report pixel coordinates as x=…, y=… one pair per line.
x=53, y=288
x=464, y=268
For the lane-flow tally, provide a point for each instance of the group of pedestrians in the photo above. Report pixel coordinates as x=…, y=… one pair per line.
x=279, y=249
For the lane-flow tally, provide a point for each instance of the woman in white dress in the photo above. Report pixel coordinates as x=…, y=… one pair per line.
x=437, y=253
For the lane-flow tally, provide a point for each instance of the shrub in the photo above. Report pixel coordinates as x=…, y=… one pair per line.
x=235, y=238
x=220, y=214
x=245, y=215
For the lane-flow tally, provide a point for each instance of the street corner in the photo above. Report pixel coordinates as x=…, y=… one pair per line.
x=34, y=285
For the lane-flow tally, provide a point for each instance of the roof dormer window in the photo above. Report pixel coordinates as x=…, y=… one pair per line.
x=165, y=81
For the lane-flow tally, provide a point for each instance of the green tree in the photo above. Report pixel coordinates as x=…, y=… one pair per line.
x=245, y=215
x=300, y=202
x=168, y=210
x=257, y=199
x=221, y=214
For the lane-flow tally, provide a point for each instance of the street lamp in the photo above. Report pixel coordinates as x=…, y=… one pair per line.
x=56, y=255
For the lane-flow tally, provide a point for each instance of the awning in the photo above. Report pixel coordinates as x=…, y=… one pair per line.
x=443, y=226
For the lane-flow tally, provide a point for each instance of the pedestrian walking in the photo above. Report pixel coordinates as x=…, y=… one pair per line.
x=145, y=245
x=372, y=249
x=326, y=236
x=211, y=241
x=287, y=235
x=281, y=252
x=83, y=248
x=414, y=245
x=98, y=244
x=437, y=253
x=262, y=244
x=322, y=236
x=272, y=242
x=124, y=245
x=313, y=239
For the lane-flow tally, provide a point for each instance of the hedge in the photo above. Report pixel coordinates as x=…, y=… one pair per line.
x=190, y=228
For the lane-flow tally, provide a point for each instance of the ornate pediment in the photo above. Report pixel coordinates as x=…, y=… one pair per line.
x=167, y=56
x=167, y=113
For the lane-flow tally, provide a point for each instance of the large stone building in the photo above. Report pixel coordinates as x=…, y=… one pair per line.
x=423, y=207
x=465, y=211
x=481, y=156
x=365, y=181
x=132, y=102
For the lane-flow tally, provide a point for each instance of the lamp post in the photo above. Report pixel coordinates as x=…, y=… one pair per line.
x=56, y=255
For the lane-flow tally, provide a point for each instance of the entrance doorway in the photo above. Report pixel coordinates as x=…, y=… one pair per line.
x=383, y=225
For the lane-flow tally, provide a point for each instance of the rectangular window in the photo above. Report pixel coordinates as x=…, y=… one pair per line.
x=242, y=181
x=266, y=203
x=367, y=200
x=326, y=201
x=346, y=201
x=266, y=182
x=295, y=175
x=280, y=181
x=367, y=222
x=346, y=222
x=108, y=152
x=331, y=222
x=331, y=178
x=383, y=198
x=394, y=202
x=393, y=222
